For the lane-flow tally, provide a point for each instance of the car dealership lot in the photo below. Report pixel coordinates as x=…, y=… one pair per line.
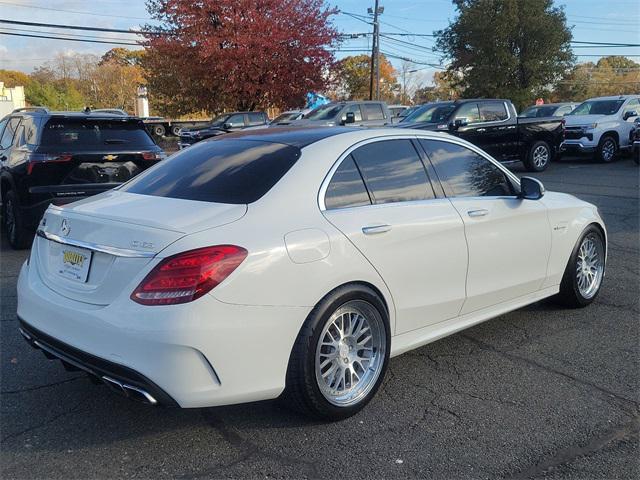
x=542, y=391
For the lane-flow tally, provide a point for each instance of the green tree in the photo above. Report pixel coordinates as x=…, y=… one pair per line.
x=355, y=72
x=516, y=49
x=13, y=78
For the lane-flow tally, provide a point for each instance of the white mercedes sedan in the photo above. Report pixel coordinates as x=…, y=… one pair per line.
x=294, y=263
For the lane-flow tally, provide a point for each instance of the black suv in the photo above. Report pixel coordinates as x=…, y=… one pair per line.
x=60, y=157
x=225, y=123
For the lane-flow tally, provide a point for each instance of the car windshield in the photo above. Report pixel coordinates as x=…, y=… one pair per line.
x=324, y=112
x=539, y=111
x=87, y=134
x=431, y=113
x=222, y=171
x=598, y=107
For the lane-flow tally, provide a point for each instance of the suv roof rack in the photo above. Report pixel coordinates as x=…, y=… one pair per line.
x=31, y=109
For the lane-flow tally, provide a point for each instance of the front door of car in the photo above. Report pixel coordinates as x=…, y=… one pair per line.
x=509, y=238
x=381, y=199
x=499, y=130
x=466, y=125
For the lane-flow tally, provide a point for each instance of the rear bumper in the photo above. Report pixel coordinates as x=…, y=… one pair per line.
x=199, y=354
x=118, y=377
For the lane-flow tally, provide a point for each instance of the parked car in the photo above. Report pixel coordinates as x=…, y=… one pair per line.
x=396, y=110
x=225, y=123
x=372, y=242
x=492, y=124
x=406, y=112
x=364, y=113
x=635, y=136
x=601, y=126
x=59, y=157
x=548, y=110
x=285, y=118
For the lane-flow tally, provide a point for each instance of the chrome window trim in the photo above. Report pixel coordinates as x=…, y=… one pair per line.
x=411, y=136
x=117, y=252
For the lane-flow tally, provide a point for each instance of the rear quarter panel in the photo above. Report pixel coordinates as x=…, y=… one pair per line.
x=533, y=129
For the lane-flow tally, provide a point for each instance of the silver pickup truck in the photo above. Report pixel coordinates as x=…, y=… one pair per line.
x=601, y=126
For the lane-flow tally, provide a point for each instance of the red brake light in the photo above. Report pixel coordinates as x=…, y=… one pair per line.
x=153, y=156
x=187, y=276
x=33, y=158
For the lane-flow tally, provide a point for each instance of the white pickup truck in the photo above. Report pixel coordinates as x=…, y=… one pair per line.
x=601, y=126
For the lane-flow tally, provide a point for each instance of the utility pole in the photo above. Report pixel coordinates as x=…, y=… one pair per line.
x=375, y=51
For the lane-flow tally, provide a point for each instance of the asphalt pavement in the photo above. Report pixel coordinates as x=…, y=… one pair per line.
x=542, y=392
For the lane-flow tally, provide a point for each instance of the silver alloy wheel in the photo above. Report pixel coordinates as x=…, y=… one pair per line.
x=608, y=149
x=350, y=353
x=540, y=156
x=590, y=265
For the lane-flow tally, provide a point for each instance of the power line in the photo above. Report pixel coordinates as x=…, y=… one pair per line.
x=71, y=35
x=51, y=37
x=77, y=27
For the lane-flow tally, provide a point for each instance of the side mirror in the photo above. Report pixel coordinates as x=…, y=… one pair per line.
x=227, y=125
x=531, y=188
x=628, y=115
x=349, y=118
x=457, y=123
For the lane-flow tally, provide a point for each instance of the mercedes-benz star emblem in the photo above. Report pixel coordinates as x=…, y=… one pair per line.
x=65, y=228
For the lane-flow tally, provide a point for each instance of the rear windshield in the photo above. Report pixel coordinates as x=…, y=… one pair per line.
x=84, y=133
x=223, y=171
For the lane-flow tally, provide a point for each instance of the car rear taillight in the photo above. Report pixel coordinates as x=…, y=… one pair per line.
x=36, y=158
x=153, y=156
x=187, y=276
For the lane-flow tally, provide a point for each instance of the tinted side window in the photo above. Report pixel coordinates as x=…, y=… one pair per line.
x=346, y=188
x=393, y=171
x=223, y=171
x=255, y=118
x=3, y=123
x=9, y=132
x=355, y=108
x=468, y=111
x=236, y=120
x=374, y=111
x=492, y=112
x=464, y=173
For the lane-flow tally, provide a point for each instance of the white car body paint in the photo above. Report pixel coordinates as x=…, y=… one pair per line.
x=233, y=344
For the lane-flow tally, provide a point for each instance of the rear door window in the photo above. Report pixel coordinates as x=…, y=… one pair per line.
x=223, y=171
x=255, y=118
x=393, y=171
x=374, y=111
x=493, y=112
x=9, y=132
x=346, y=188
x=94, y=134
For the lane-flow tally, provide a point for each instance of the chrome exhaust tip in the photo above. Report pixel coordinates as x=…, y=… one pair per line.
x=130, y=391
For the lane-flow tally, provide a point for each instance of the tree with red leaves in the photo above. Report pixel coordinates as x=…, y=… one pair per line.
x=237, y=54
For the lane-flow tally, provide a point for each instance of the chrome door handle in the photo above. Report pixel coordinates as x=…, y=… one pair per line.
x=478, y=213
x=374, y=229
x=481, y=130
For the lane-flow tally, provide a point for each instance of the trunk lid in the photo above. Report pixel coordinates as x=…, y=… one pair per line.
x=117, y=234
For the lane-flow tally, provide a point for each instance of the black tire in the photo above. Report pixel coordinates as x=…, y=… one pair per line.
x=570, y=294
x=538, y=157
x=302, y=392
x=159, y=130
x=175, y=130
x=19, y=237
x=603, y=152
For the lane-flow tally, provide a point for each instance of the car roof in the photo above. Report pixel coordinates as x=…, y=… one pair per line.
x=43, y=112
x=614, y=97
x=295, y=136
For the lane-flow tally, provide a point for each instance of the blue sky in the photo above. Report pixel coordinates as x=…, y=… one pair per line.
x=592, y=20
